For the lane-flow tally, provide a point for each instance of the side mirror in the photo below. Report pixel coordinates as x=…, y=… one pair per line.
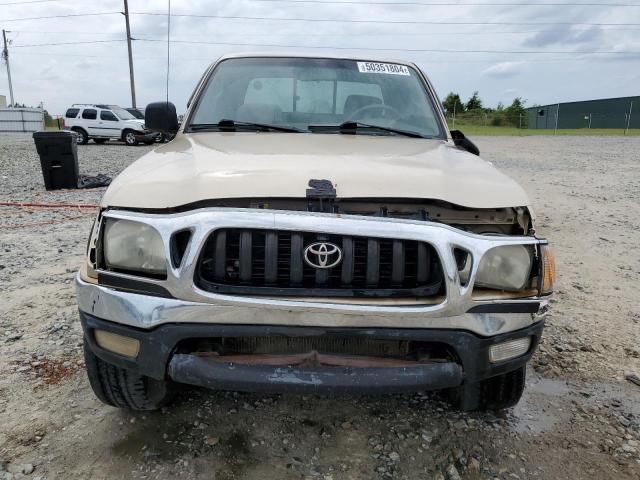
x=463, y=142
x=161, y=117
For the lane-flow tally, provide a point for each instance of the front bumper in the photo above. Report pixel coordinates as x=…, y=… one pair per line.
x=162, y=313
x=157, y=358
x=146, y=135
x=148, y=311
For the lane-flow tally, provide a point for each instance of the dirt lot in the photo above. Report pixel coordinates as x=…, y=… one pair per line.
x=579, y=418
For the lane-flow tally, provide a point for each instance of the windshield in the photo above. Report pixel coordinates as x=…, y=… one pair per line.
x=136, y=113
x=299, y=92
x=122, y=114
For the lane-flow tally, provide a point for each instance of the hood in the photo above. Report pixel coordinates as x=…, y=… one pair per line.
x=203, y=166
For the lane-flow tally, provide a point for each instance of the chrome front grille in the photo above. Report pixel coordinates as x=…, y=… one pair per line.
x=270, y=262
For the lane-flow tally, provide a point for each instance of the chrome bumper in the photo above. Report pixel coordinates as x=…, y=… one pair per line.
x=191, y=304
x=147, y=312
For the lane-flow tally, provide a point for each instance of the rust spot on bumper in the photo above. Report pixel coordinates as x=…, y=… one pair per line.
x=311, y=359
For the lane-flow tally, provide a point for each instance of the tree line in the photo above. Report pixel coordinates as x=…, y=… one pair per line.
x=474, y=112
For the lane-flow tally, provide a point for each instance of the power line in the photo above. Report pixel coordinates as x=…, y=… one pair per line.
x=66, y=43
x=450, y=4
x=65, y=54
x=28, y=2
x=365, y=34
x=67, y=32
x=326, y=34
x=379, y=49
x=211, y=59
x=59, y=16
x=392, y=22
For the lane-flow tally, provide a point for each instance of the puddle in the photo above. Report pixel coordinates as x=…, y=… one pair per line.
x=541, y=407
x=547, y=402
x=547, y=386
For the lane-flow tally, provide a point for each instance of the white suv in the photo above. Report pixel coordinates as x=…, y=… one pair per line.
x=104, y=122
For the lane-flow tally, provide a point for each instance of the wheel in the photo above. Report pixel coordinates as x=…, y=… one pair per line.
x=124, y=388
x=496, y=393
x=99, y=141
x=130, y=138
x=162, y=138
x=82, y=138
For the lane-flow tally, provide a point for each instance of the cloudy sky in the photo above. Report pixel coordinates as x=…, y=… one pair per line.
x=541, y=53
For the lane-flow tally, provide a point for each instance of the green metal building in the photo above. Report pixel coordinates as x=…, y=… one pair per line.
x=621, y=113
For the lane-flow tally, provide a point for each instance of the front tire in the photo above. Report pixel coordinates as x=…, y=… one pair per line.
x=124, y=388
x=99, y=141
x=130, y=138
x=82, y=136
x=496, y=393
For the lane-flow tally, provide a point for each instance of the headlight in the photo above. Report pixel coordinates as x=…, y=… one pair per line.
x=133, y=246
x=505, y=268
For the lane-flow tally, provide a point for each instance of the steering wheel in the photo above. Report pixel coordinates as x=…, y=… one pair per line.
x=377, y=106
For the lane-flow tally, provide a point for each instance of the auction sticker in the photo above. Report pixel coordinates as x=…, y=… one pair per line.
x=387, y=68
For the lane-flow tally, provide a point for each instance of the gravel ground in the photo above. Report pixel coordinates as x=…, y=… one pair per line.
x=579, y=418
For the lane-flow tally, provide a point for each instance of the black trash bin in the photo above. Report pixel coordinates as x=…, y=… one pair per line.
x=59, y=158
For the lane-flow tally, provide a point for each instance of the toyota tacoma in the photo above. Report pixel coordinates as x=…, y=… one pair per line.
x=313, y=227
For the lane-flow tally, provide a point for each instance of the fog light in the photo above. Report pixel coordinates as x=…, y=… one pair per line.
x=511, y=349
x=125, y=346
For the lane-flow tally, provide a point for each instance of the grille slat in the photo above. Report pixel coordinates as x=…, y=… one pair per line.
x=246, y=266
x=373, y=262
x=296, y=259
x=271, y=257
x=422, y=262
x=221, y=256
x=397, y=269
x=270, y=262
x=347, y=261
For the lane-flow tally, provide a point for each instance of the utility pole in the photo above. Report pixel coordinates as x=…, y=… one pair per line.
x=133, y=83
x=629, y=118
x=5, y=55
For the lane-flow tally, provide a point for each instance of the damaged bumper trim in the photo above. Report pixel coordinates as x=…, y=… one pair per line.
x=149, y=311
x=208, y=373
x=157, y=357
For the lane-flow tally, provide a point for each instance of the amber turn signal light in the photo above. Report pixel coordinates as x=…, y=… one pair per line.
x=549, y=272
x=125, y=346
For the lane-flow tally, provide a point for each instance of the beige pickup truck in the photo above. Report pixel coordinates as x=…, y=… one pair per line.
x=313, y=227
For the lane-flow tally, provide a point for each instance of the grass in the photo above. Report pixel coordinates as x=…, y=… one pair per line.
x=511, y=131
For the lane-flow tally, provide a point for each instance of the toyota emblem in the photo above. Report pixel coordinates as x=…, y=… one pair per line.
x=322, y=255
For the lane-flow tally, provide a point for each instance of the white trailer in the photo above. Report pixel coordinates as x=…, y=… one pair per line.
x=21, y=119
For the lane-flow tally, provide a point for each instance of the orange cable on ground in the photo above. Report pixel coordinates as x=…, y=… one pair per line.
x=32, y=205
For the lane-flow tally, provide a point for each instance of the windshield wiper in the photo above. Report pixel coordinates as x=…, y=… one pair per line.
x=350, y=127
x=226, y=125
